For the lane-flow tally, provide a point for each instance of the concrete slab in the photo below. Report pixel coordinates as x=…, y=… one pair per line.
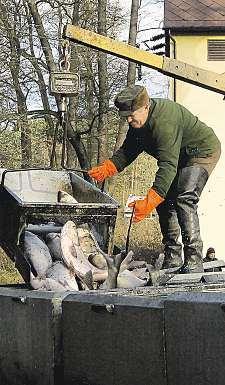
x=30, y=344
x=195, y=338
x=180, y=279
x=214, y=277
x=109, y=340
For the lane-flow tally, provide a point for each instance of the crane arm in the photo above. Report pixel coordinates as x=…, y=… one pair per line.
x=168, y=66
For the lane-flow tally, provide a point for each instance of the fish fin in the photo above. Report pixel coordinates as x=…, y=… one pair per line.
x=127, y=260
x=150, y=267
x=71, y=270
x=159, y=261
x=88, y=280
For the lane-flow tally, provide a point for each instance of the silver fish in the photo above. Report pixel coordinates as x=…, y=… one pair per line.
x=72, y=254
x=141, y=273
x=47, y=284
x=88, y=246
x=127, y=280
x=127, y=261
x=61, y=274
x=64, y=197
x=37, y=252
x=136, y=264
x=113, y=264
x=53, y=241
x=118, y=277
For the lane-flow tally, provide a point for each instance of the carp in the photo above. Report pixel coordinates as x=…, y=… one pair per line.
x=113, y=264
x=88, y=246
x=127, y=261
x=53, y=241
x=128, y=280
x=141, y=273
x=37, y=252
x=61, y=274
x=118, y=275
x=73, y=256
x=64, y=197
x=47, y=284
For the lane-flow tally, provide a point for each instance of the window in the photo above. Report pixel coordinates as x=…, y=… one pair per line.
x=216, y=50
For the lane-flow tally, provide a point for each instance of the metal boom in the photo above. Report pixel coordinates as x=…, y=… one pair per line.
x=168, y=66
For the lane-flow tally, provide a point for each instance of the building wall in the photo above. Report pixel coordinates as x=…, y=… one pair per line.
x=210, y=108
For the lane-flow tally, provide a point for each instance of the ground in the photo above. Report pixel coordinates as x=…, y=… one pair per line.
x=8, y=273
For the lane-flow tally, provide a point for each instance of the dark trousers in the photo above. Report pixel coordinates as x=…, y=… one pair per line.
x=178, y=213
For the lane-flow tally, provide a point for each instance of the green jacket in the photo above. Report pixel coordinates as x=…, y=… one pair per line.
x=170, y=134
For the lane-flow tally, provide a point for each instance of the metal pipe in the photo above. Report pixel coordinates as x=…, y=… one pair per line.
x=174, y=56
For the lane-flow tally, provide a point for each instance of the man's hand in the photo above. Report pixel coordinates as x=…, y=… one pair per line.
x=145, y=206
x=104, y=170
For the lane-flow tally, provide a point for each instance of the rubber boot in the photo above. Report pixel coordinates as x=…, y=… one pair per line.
x=170, y=230
x=191, y=181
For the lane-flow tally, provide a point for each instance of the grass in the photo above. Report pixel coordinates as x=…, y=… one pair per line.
x=8, y=273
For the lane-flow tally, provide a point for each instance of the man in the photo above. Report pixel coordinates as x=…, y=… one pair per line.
x=210, y=257
x=186, y=150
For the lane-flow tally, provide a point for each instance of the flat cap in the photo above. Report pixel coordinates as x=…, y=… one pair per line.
x=131, y=99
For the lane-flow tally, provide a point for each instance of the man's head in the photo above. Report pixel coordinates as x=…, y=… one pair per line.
x=133, y=103
x=210, y=253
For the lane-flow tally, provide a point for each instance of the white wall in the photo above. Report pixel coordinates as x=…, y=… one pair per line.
x=210, y=108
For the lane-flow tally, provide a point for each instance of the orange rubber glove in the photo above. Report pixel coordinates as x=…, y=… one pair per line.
x=143, y=207
x=104, y=170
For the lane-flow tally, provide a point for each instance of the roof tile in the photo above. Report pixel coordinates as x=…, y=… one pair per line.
x=194, y=13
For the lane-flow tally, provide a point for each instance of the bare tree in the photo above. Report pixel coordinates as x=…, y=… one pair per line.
x=131, y=74
x=10, y=21
x=37, y=49
x=103, y=93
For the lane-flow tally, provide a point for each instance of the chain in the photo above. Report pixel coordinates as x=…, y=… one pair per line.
x=64, y=60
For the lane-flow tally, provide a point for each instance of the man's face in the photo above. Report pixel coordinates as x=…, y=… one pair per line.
x=138, y=118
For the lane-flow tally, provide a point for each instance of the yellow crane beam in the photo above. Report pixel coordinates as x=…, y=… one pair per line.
x=168, y=66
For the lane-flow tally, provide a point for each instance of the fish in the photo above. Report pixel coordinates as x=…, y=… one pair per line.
x=126, y=280
x=159, y=261
x=47, y=284
x=113, y=263
x=73, y=256
x=88, y=246
x=119, y=276
x=43, y=229
x=53, y=241
x=127, y=261
x=61, y=274
x=64, y=197
x=76, y=259
x=141, y=273
x=136, y=264
x=98, y=261
x=37, y=252
x=37, y=283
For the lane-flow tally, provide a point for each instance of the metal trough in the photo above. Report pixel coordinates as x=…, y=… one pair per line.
x=147, y=336
x=28, y=201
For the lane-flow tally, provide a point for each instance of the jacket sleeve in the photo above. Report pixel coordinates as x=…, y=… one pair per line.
x=128, y=152
x=168, y=139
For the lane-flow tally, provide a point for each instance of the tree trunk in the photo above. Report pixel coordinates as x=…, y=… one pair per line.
x=42, y=36
x=14, y=65
x=73, y=99
x=103, y=87
x=73, y=136
x=41, y=83
x=131, y=74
